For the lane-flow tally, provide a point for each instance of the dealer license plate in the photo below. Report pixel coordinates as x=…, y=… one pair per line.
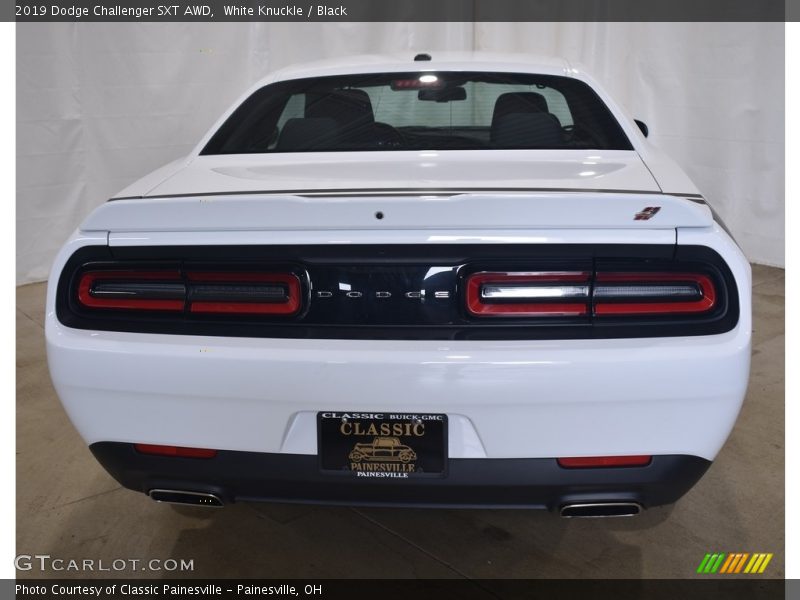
x=383, y=445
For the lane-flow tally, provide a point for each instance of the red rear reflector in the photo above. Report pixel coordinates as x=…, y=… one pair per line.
x=528, y=294
x=91, y=295
x=246, y=293
x=175, y=451
x=653, y=293
x=593, y=462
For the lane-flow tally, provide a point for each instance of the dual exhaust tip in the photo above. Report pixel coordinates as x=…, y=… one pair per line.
x=568, y=511
x=187, y=498
x=600, y=510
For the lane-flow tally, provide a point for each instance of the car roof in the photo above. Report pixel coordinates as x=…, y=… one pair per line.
x=440, y=61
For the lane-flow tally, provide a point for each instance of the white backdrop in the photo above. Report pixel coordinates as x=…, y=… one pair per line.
x=99, y=105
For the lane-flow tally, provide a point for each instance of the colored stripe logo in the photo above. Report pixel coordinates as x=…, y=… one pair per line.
x=734, y=562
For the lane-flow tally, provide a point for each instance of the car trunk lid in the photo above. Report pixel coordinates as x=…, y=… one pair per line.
x=455, y=171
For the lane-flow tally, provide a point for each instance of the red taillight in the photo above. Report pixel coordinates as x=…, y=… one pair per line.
x=528, y=294
x=135, y=290
x=253, y=292
x=580, y=293
x=181, y=451
x=245, y=293
x=593, y=462
x=653, y=293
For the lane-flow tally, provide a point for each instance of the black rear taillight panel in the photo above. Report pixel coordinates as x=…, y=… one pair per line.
x=401, y=292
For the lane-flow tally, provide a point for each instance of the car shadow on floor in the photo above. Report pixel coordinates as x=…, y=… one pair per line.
x=262, y=540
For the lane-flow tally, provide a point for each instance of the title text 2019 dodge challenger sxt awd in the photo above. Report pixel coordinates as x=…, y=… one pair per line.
x=467, y=281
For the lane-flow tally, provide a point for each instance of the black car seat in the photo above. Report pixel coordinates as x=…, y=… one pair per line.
x=351, y=109
x=522, y=120
x=299, y=135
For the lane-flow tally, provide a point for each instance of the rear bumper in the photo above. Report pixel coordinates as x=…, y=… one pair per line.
x=470, y=483
x=504, y=400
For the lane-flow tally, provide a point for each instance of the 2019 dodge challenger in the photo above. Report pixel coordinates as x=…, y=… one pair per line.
x=479, y=257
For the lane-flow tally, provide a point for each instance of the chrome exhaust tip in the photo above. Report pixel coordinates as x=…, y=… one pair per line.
x=186, y=498
x=595, y=510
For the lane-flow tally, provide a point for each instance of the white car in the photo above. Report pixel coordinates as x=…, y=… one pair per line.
x=473, y=274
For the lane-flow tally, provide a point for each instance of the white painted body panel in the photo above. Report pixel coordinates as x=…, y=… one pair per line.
x=519, y=399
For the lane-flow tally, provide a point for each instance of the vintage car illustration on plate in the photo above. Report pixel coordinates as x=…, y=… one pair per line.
x=383, y=449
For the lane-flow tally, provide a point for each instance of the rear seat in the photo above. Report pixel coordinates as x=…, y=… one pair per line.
x=522, y=120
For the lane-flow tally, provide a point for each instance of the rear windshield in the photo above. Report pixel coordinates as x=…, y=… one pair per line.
x=420, y=111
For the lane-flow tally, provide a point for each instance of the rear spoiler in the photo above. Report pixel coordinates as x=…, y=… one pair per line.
x=494, y=211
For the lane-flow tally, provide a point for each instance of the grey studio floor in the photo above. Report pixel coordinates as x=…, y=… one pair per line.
x=68, y=507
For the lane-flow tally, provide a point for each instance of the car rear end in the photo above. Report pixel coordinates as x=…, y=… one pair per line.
x=553, y=361
x=457, y=285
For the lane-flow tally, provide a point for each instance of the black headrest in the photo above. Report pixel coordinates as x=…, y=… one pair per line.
x=308, y=134
x=527, y=130
x=347, y=107
x=519, y=102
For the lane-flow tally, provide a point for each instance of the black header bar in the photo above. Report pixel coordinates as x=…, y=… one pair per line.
x=402, y=10
x=717, y=588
